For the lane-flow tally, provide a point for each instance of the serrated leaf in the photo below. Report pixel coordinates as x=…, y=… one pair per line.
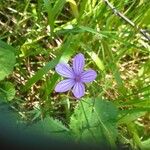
x=50, y=127
x=9, y=118
x=47, y=127
x=7, y=91
x=95, y=120
x=7, y=62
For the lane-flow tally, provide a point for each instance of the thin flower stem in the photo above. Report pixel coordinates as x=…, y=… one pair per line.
x=116, y=12
x=67, y=108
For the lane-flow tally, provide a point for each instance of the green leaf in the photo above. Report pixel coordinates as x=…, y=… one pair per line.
x=91, y=30
x=59, y=4
x=50, y=127
x=7, y=91
x=54, y=11
x=48, y=7
x=9, y=118
x=7, y=62
x=146, y=18
x=74, y=8
x=7, y=46
x=126, y=116
x=97, y=60
x=146, y=144
x=95, y=120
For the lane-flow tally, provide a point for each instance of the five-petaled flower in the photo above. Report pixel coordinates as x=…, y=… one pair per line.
x=76, y=76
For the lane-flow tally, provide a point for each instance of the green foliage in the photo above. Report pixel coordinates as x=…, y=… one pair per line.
x=40, y=34
x=50, y=127
x=7, y=91
x=146, y=144
x=53, y=12
x=9, y=118
x=95, y=120
x=7, y=62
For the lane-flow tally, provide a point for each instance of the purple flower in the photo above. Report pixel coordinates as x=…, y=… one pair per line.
x=76, y=76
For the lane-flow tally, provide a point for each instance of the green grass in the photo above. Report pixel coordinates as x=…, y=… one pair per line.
x=44, y=32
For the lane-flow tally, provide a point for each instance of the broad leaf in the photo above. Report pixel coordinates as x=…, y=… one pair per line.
x=146, y=144
x=7, y=91
x=95, y=120
x=50, y=127
x=7, y=62
x=9, y=119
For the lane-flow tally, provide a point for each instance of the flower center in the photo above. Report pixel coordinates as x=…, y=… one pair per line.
x=77, y=78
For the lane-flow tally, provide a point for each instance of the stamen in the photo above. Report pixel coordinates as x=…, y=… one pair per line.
x=77, y=78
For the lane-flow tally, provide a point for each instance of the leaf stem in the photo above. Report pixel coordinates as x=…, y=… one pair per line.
x=87, y=122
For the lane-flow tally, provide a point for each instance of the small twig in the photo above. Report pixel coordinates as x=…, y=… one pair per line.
x=116, y=12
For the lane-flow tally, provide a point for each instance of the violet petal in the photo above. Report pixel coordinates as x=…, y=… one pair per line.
x=78, y=63
x=88, y=76
x=78, y=89
x=64, y=70
x=64, y=85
